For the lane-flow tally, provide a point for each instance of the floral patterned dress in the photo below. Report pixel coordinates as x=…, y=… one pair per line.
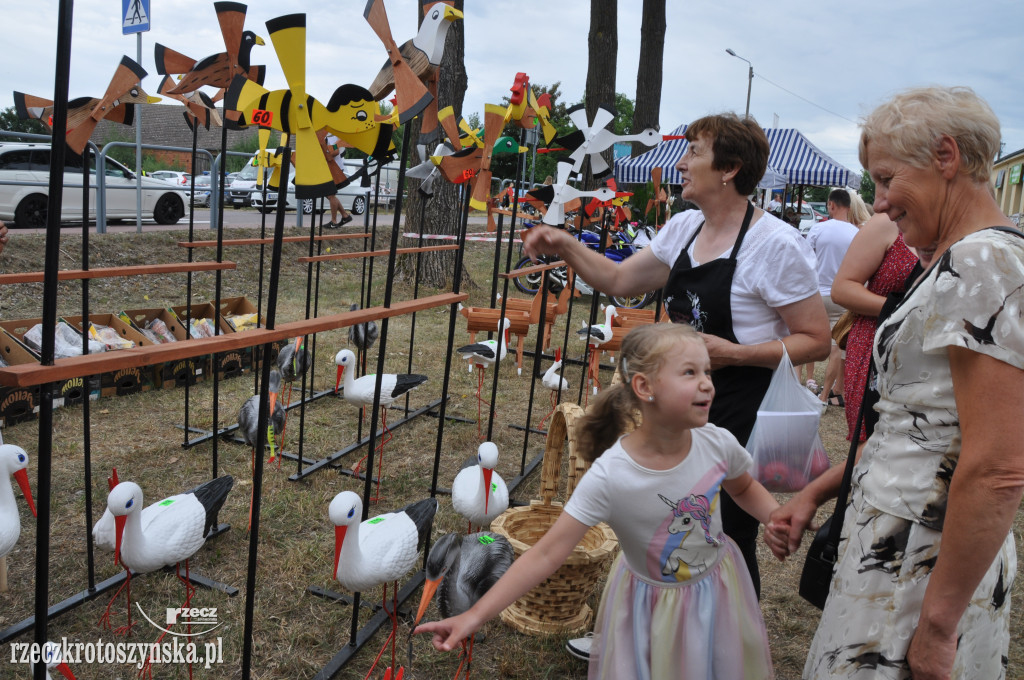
x=890, y=276
x=892, y=533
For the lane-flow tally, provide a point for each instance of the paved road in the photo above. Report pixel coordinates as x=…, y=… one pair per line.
x=246, y=217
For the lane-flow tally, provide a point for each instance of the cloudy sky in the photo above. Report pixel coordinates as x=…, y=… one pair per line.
x=819, y=66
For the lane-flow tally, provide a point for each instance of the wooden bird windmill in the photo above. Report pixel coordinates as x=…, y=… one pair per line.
x=199, y=107
x=217, y=70
x=351, y=114
x=412, y=96
x=526, y=109
x=590, y=140
x=118, y=105
x=655, y=201
x=422, y=54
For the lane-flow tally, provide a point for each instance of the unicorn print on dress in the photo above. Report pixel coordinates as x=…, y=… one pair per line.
x=686, y=514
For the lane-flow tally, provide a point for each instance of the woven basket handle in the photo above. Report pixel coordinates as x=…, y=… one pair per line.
x=561, y=429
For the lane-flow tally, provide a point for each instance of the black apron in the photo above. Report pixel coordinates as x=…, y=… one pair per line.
x=702, y=297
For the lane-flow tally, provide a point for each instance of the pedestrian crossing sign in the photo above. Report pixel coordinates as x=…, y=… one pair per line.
x=134, y=16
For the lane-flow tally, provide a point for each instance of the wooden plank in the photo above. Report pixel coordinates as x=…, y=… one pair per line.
x=376, y=253
x=25, y=375
x=111, y=272
x=269, y=240
x=532, y=269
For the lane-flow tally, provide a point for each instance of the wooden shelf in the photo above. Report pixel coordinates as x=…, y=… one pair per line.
x=376, y=253
x=269, y=240
x=532, y=269
x=26, y=375
x=110, y=272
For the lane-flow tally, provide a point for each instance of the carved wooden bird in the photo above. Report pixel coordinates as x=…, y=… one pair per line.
x=423, y=55
x=525, y=108
x=217, y=70
x=411, y=94
x=117, y=104
x=199, y=106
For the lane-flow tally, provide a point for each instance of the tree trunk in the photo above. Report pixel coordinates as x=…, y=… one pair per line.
x=650, y=71
x=603, y=47
x=442, y=210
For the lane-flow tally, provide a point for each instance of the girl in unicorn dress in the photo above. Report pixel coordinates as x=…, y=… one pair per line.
x=679, y=601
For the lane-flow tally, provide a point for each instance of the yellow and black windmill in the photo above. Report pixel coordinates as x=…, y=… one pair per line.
x=216, y=70
x=351, y=113
x=117, y=104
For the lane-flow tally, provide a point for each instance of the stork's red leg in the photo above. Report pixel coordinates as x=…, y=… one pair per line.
x=105, y=618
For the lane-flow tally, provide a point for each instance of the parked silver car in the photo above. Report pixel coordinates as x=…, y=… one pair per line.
x=26, y=205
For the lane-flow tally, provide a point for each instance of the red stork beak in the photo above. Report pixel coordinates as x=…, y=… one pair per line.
x=558, y=354
x=273, y=405
x=22, y=477
x=429, y=588
x=118, y=533
x=112, y=479
x=65, y=670
x=339, y=540
x=487, y=487
x=341, y=369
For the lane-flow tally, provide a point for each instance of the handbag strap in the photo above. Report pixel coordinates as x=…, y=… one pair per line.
x=831, y=548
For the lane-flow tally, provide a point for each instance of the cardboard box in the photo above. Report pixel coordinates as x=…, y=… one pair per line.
x=126, y=380
x=235, y=306
x=70, y=391
x=17, y=404
x=227, y=364
x=170, y=374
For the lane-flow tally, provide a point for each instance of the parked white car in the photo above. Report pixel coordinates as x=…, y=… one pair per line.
x=27, y=205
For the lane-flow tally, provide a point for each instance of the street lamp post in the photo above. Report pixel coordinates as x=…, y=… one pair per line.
x=750, y=77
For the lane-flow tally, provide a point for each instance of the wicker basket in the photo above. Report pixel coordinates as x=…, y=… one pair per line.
x=559, y=604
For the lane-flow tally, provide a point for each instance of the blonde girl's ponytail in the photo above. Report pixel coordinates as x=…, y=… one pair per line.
x=617, y=408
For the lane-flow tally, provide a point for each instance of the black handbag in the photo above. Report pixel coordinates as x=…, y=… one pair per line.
x=816, y=578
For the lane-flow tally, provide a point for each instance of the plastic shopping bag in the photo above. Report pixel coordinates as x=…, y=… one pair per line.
x=785, y=443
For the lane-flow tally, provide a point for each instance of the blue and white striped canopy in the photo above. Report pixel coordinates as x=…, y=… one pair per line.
x=803, y=163
x=791, y=155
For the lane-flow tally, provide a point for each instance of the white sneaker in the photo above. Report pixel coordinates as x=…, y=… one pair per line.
x=580, y=647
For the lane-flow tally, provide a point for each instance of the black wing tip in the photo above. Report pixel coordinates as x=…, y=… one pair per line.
x=134, y=66
x=20, y=107
x=281, y=23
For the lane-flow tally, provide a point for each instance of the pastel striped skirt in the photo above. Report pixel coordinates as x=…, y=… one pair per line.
x=705, y=629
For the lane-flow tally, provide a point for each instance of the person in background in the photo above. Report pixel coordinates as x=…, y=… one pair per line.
x=4, y=236
x=739, y=276
x=678, y=601
x=830, y=240
x=876, y=266
x=335, y=161
x=775, y=204
x=927, y=559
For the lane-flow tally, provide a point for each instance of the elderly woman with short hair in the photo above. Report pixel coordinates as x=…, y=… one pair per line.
x=741, y=277
x=927, y=559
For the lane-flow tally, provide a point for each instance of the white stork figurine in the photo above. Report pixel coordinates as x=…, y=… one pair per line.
x=561, y=192
x=379, y=550
x=554, y=382
x=165, y=534
x=360, y=392
x=479, y=493
x=482, y=355
x=461, y=569
x=599, y=334
x=13, y=463
x=53, y=656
